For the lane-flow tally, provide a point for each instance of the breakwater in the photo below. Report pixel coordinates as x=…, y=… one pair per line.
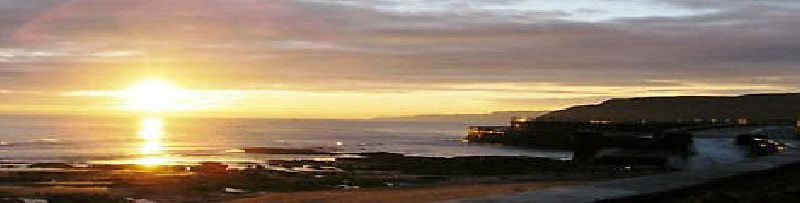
x=571, y=135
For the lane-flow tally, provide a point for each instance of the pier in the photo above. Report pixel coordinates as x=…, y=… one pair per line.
x=601, y=133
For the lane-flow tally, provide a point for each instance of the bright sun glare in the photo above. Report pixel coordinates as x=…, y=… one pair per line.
x=157, y=96
x=151, y=130
x=151, y=161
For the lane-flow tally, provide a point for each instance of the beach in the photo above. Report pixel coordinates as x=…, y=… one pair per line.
x=250, y=160
x=239, y=101
x=431, y=193
x=376, y=174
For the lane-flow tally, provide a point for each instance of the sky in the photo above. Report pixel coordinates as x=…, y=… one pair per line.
x=371, y=58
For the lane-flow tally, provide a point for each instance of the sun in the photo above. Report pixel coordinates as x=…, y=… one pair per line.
x=155, y=95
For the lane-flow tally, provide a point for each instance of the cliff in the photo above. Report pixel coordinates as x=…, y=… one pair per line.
x=670, y=109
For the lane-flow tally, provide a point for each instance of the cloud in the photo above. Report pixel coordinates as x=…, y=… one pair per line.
x=403, y=46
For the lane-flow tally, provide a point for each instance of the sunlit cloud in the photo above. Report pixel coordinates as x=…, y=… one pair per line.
x=465, y=98
x=114, y=53
x=362, y=58
x=21, y=92
x=153, y=95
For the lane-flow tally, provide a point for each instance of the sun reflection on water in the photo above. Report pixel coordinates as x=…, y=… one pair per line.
x=151, y=131
x=151, y=161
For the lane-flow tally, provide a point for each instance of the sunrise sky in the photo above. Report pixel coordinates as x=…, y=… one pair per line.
x=368, y=58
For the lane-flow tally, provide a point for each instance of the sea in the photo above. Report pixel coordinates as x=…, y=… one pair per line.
x=165, y=140
x=40, y=138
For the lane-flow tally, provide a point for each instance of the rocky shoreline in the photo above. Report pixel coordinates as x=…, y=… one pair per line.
x=214, y=182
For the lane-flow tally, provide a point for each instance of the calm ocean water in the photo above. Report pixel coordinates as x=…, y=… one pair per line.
x=98, y=138
x=151, y=139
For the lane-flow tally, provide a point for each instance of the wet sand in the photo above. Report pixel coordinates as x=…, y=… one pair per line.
x=404, y=195
x=33, y=191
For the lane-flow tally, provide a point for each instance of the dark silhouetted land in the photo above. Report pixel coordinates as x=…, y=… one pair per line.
x=690, y=108
x=494, y=117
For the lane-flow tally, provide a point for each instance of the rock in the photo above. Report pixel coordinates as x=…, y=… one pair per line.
x=269, y=150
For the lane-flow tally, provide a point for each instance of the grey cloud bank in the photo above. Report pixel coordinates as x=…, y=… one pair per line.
x=412, y=44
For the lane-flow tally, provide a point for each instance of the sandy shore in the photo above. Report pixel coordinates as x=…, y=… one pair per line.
x=403, y=195
x=31, y=191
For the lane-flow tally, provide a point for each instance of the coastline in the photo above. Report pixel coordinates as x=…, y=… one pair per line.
x=384, y=174
x=337, y=177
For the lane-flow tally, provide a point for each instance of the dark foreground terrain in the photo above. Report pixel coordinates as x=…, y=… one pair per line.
x=374, y=173
x=778, y=185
